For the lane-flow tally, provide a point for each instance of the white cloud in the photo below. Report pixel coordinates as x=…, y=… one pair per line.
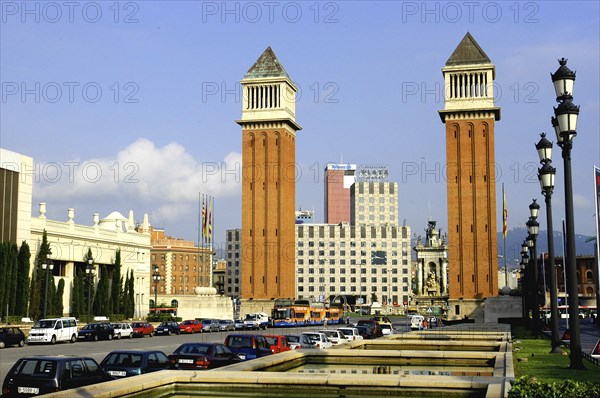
x=166, y=180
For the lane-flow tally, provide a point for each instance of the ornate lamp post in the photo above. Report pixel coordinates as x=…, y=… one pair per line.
x=533, y=229
x=89, y=272
x=47, y=266
x=156, y=279
x=565, y=126
x=524, y=284
x=546, y=176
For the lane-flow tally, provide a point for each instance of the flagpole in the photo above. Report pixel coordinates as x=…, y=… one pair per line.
x=199, y=227
x=504, y=232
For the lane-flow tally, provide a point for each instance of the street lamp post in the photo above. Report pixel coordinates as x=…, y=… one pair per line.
x=533, y=229
x=47, y=266
x=565, y=127
x=525, y=281
x=89, y=271
x=546, y=176
x=156, y=279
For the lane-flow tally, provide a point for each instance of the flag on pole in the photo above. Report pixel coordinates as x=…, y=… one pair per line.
x=504, y=214
x=203, y=217
x=210, y=219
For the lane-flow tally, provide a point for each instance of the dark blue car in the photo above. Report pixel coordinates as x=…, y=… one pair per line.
x=248, y=346
x=125, y=363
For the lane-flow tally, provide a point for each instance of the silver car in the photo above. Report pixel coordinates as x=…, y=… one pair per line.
x=210, y=325
x=226, y=325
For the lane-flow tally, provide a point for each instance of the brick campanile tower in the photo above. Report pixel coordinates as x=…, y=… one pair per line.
x=469, y=114
x=268, y=181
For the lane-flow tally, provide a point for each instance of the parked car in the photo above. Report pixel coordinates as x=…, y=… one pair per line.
x=256, y=321
x=11, y=336
x=167, y=328
x=351, y=333
x=314, y=340
x=192, y=356
x=43, y=374
x=226, y=325
x=239, y=324
x=373, y=324
x=191, y=326
x=125, y=363
x=365, y=331
x=52, y=330
x=122, y=330
x=416, y=321
x=141, y=329
x=210, y=325
x=277, y=343
x=386, y=329
x=293, y=341
x=248, y=346
x=335, y=336
x=96, y=331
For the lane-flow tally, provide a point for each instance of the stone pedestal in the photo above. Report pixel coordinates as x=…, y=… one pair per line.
x=502, y=307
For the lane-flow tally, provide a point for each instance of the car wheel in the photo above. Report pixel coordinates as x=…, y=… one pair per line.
x=151, y=334
x=2, y=344
x=53, y=340
x=192, y=331
x=118, y=336
x=95, y=337
x=73, y=339
x=21, y=343
x=110, y=336
x=168, y=332
x=130, y=335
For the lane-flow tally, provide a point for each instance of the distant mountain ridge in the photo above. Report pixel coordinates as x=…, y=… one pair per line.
x=516, y=236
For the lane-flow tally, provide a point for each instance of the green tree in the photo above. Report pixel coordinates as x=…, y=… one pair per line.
x=58, y=298
x=13, y=266
x=4, y=273
x=78, y=298
x=115, y=286
x=37, y=290
x=102, y=292
x=22, y=294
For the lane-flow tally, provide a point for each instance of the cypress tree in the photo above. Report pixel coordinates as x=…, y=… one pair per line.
x=115, y=287
x=131, y=292
x=36, y=303
x=102, y=291
x=58, y=298
x=4, y=274
x=22, y=296
x=13, y=265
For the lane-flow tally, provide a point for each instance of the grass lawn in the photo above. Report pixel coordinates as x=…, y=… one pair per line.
x=544, y=366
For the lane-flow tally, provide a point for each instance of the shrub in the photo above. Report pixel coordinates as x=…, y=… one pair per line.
x=528, y=387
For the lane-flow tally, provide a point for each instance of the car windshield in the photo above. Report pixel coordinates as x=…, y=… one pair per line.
x=188, y=322
x=192, y=349
x=90, y=326
x=271, y=340
x=330, y=333
x=44, y=324
x=293, y=339
x=223, y=322
x=164, y=324
x=313, y=337
x=36, y=368
x=240, y=342
x=137, y=325
x=125, y=359
x=346, y=332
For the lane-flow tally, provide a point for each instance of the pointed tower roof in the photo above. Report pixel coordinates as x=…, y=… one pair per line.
x=468, y=52
x=267, y=65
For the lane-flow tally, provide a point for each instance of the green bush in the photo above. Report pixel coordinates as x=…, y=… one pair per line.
x=116, y=317
x=528, y=387
x=13, y=319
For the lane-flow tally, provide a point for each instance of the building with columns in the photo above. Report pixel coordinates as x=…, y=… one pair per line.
x=431, y=274
x=469, y=115
x=268, y=180
x=69, y=243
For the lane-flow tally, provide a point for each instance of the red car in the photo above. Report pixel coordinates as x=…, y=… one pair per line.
x=141, y=329
x=277, y=343
x=192, y=326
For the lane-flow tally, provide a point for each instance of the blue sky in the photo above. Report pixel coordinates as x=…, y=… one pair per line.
x=131, y=105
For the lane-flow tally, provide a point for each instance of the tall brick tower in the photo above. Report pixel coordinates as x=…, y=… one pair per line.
x=268, y=181
x=469, y=114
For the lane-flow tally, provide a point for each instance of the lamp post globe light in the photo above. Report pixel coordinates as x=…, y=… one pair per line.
x=524, y=284
x=565, y=127
x=546, y=177
x=156, y=279
x=89, y=272
x=47, y=266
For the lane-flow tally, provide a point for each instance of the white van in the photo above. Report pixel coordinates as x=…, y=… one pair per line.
x=53, y=330
x=415, y=321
